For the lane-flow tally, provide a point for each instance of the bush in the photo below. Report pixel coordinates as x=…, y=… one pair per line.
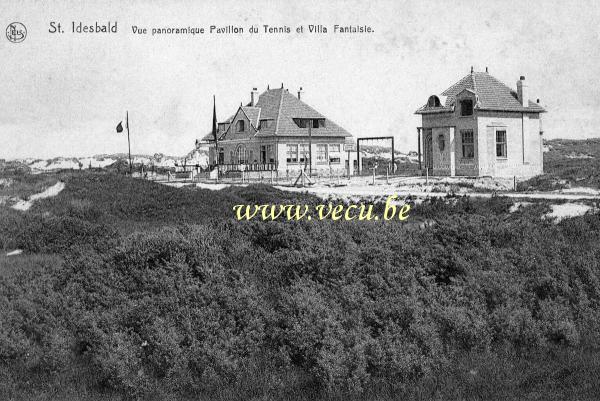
x=223, y=309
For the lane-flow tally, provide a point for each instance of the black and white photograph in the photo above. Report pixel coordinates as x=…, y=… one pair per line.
x=265, y=200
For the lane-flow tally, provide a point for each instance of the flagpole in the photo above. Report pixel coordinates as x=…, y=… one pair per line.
x=215, y=134
x=128, y=143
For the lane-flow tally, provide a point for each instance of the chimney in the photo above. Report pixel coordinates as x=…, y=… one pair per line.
x=300, y=92
x=522, y=94
x=253, y=97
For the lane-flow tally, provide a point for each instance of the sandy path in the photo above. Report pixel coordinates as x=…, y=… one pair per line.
x=365, y=190
x=49, y=192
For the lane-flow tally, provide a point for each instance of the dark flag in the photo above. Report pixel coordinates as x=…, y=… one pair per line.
x=214, y=126
x=120, y=127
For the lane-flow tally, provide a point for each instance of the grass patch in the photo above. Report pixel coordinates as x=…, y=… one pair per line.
x=568, y=163
x=24, y=185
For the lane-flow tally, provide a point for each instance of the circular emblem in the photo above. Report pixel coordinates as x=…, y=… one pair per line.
x=16, y=32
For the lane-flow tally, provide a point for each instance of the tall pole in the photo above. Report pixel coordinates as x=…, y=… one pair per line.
x=393, y=158
x=349, y=163
x=217, y=157
x=215, y=135
x=310, y=149
x=129, y=143
x=419, y=145
x=358, y=156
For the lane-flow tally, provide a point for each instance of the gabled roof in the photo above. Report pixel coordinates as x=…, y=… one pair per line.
x=282, y=107
x=253, y=113
x=492, y=94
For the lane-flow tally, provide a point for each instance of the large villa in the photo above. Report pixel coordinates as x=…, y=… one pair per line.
x=277, y=131
x=477, y=127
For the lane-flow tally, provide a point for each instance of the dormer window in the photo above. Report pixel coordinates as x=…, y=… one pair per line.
x=312, y=122
x=265, y=124
x=241, y=126
x=434, y=101
x=466, y=107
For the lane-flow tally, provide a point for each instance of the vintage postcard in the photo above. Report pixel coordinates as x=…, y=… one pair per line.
x=299, y=200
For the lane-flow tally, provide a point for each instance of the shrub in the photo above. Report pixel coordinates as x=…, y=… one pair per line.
x=270, y=309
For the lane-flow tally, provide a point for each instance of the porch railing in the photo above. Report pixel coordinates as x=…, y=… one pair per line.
x=223, y=168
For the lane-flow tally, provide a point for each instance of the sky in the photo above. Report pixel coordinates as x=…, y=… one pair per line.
x=63, y=94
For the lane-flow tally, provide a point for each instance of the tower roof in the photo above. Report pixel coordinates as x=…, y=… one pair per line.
x=492, y=94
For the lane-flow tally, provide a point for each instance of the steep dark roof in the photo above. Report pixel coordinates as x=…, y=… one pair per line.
x=492, y=94
x=282, y=107
x=291, y=107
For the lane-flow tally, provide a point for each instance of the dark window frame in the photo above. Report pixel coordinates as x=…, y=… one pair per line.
x=466, y=107
x=288, y=155
x=315, y=123
x=501, y=144
x=441, y=140
x=325, y=155
x=433, y=101
x=265, y=123
x=467, y=139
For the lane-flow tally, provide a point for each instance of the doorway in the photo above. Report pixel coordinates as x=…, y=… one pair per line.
x=428, y=149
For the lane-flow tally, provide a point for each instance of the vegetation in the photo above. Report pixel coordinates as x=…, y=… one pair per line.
x=132, y=290
x=568, y=163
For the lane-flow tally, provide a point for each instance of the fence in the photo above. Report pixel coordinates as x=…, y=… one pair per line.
x=224, y=168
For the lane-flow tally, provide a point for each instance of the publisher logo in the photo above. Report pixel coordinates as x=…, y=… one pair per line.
x=16, y=32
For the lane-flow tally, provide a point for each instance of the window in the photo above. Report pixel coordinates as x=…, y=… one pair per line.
x=241, y=126
x=322, y=153
x=304, y=152
x=441, y=142
x=501, y=143
x=265, y=124
x=270, y=157
x=266, y=154
x=241, y=155
x=292, y=153
x=468, y=145
x=433, y=101
x=300, y=122
x=466, y=107
x=310, y=122
x=221, y=159
x=334, y=153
